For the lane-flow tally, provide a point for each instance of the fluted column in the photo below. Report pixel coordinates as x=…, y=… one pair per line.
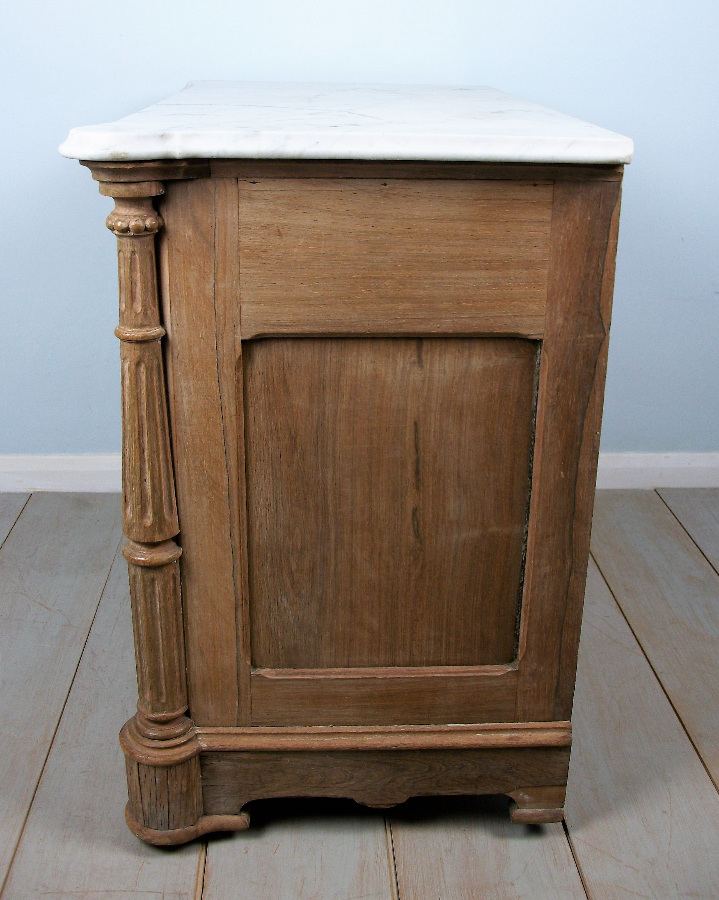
x=159, y=742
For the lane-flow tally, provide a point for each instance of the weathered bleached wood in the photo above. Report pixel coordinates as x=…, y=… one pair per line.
x=279, y=547
x=585, y=222
x=698, y=511
x=363, y=256
x=643, y=815
x=466, y=849
x=382, y=779
x=303, y=850
x=670, y=595
x=368, y=484
x=383, y=696
x=198, y=436
x=163, y=773
x=11, y=505
x=53, y=567
x=232, y=410
x=387, y=737
x=75, y=842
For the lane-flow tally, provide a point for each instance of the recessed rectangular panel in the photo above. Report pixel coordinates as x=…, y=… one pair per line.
x=380, y=696
x=387, y=492
x=393, y=256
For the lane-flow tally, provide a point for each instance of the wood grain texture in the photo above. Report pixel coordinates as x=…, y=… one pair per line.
x=344, y=502
x=149, y=507
x=232, y=779
x=303, y=851
x=75, y=842
x=198, y=437
x=569, y=408
x=698, y=511
x=159, y=639
x=53, y=567
x=466, y=849
x=148, y=170
x=150, y=513
x=11, y=505
x=164, y=790
x=643, y=815
x=386, y=477
x=388, y=737
x=229, y=363
x=322, y=256
x=164, y=798
x=670, y=596
x=537, y=805
x=383, y=696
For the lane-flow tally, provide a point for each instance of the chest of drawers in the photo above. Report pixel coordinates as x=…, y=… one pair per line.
x=363, y=339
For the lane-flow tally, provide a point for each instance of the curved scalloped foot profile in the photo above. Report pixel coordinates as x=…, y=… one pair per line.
x=537, y=806
x=204, y=825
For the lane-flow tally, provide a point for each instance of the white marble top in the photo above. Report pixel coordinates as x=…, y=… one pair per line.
x=227, y=119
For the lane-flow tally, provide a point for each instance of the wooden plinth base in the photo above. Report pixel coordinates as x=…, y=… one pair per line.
x=180, y=801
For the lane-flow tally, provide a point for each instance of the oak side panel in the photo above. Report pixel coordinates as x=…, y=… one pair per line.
x=187, y=246
x=53, y=566
x=698, y=511
x=467, y=848
x=670, y=596
x=392, y=256
x=386, y=478
x=75, y=842
x=392, y=696
x=303, y=850
x=571, y=389
x=642, y=813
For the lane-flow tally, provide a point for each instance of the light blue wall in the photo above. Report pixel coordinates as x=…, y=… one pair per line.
x=649, y=70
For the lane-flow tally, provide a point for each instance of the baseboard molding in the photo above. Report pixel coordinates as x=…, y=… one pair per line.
x=101, y=472
x=657, y=470
x=92, y=472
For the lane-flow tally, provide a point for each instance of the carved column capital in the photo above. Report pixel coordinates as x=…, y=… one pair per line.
x=130, y=218
x=134, y=214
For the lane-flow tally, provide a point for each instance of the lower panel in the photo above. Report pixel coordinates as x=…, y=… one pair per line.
x=384, y=696
x=387, y=491
x=378, y=778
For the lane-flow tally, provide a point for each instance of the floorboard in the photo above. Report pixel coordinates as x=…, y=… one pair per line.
x=75, y=843
x=303, y=850
x=670, y=596
x=466, y=848
x=53, y=567
x=11, y=505
x=642, y=813
x=698, y=511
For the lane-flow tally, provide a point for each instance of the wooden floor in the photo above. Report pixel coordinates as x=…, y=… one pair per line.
x=642, y=809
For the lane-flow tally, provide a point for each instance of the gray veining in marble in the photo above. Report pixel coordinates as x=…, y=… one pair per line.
x=225, y=119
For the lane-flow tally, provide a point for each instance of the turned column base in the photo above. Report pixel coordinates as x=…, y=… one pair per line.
x=163, y=781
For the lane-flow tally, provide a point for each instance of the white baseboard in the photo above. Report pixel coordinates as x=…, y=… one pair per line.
x=657, y=470
x=101, y=472
x=96, y=472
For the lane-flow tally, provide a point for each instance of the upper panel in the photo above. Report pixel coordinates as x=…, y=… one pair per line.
x=226, y=119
